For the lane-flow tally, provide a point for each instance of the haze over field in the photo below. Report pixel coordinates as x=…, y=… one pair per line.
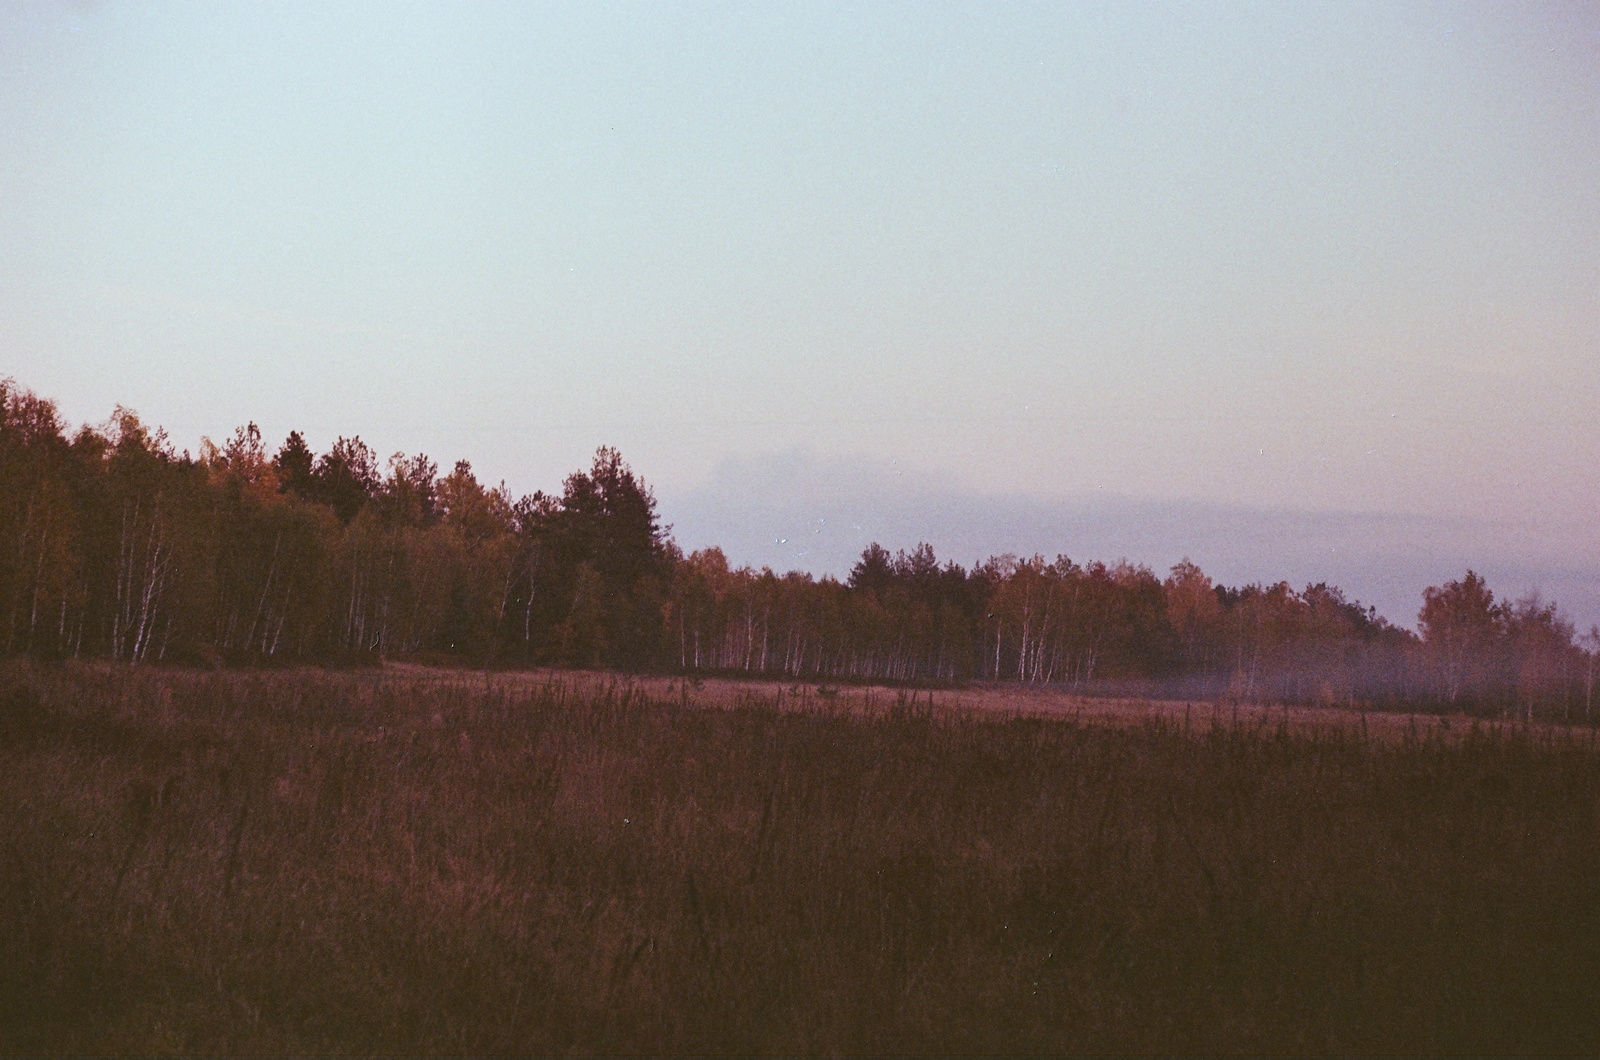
x=1299, y=293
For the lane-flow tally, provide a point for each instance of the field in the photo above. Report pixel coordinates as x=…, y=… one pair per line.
x=445, y=862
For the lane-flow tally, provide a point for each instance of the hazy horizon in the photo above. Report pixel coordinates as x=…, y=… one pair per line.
x=1301, y=293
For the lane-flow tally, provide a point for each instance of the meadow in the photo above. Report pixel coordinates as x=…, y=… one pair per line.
x=410, y=860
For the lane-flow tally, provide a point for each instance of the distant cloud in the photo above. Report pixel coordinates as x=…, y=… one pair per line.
x=798, y=511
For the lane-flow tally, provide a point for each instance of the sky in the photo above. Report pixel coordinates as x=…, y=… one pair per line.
x=1302, y=291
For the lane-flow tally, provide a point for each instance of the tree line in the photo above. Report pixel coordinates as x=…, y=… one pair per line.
x=113, y=545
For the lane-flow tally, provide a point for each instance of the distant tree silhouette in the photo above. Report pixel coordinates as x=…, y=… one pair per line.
x=874, y=571
x=294, y=463
x=346, y=477
x=1461, y=626
x=112, y=545
x=409, y=495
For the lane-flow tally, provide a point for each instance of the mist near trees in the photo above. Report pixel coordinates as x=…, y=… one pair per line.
x=115, y=546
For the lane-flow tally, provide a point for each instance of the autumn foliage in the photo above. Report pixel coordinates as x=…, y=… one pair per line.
x=113, y=545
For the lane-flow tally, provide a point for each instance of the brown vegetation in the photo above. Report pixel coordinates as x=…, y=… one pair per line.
x=429, y=862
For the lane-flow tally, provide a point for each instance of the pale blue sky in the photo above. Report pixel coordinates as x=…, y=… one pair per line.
x=1304, y=262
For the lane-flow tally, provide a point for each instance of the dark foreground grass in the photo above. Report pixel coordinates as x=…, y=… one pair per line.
x=308, y=862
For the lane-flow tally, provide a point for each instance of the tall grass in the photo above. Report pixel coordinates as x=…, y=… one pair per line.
x=301, y=861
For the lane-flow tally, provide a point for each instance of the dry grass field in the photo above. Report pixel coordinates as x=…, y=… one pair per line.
x=416, y=860
x=1002, y=699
